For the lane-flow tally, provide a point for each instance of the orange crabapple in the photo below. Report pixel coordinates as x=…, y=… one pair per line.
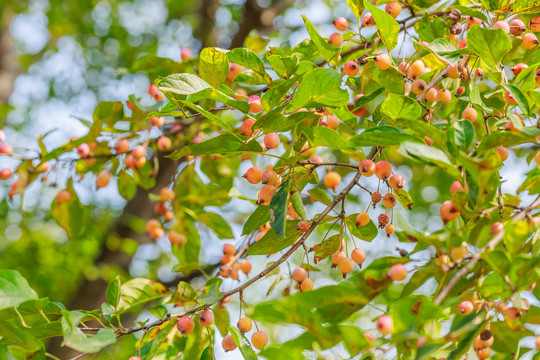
x=265, y=194
x=389, y=200
x=418, y=86
x=459, y=253
x=368, y=20
x=449, y=211
x=246, y=266
x=164, y=143
x=483, y=353
x=306, y=285
x=534, y=24
x=299, y=275
x=503, y=153
x=244, y=324
x=139, y=151
x=473, y=21
x=259, y=340
x=341, y=24
x=302, y=226
x=416, y=69
x=185, y=325
x=228, y=343
x=269, y=177
x=166, y=194
x=63, y=196
x=247, y=126
x=469, y=114
x=383, y=169
x=456, y=186
x=337, y=257
x=367, y=167
x=362, y=219
x=346, y=265
x=229, y=249
x=496, y=228
x=393, y=9
x=351, y=68
x=254, y=175
x=271, y=141
x=255, y=105
x=397, y=272
x=431, y=95
x=358, y=256
x=177, y=238
x=529, y=41
x=396, y=181
x=336, y=39
x=234, y=71
x=444, y=96
x=103, y=179
x=332, y=122
x=502, y=25
x=389, y=229
x=332, y=179
x=122, y=146
x=516, y=69
x=383, y=61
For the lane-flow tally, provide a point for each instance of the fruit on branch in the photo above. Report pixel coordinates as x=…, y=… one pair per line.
x=103, y=179
x=502, y=25
x=509, y=99
x=166, y=194
x=529, y=41
x=351, y=68
x=483, y=354
x=486, y=338
x=346, y=265
x=516, y=69
x=299, y=275
x=234, y=71
x=332, y=179
x=302, y=226
x=368, y=20
x=306, y=285
x=503, y=153
x=385, y=324
x=229, y=249
x=245, y=266
x=454, y=15
x=534, y=24
x=164, y=143
x=244, y=324
x=122, y=146
x=418, y=86
x=469, y=114
x=332, y=122
x=337, y=257
x=270, y=177
x=62, y=197
x=139, y=151
x=83, y=150
x=247, y=126
x=456, y=28
x=253, y=175
x=271, y=141
x=265, y=194
x=383, y=170
x=376, y=197
x=496, y=228
x=456, y=186
x=362, y=219
x=367, y=167
x=157, y=121
x=259, y=340
x=431, y=95
x=444, y=96
x=397, y=272
x=416, y=69
x=473, y=21
x=393, y=8
x=460, y=91
x=5, y=173
x=383, y=220
x=449, y=211
x=336, y=39
x=177, y=238
x=228, y=343
x=465, y=307
x=226, y=271
x=206, y=318
x=383, y=61
x=185, y=54
x=389, y=200
x=512, y=313
x=255, y=105
x=341, y=24
x=185, y=325
x=459, y=253
x=389, y=229
x=396, y=182
x=517, y=27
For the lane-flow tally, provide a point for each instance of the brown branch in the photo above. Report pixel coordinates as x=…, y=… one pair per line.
x=489, y=246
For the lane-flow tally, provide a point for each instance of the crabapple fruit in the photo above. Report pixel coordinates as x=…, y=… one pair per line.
x=383, y=61
x=341, y=24
x=164, y=143
x=185, y=54
x=185, y=325
x=449, y=211
x=306, y=285
x=396, y=182
x=444, y=96
x=529, y=41
x=103, y=179
x=271, y=141
x=534, y=24
x=302, y=226
x=362, y=219
x=465, y=307
x=383, y=169
x=368, y=20
x=346, y=265
x=516, y=69
x=332, y=179
x=358, y=256
x=332, y=122
x=517, y=27
x=255, y=105
x=259, y=340
x=459, y=253
x=351, y=68
x=469, y=114
x=228, y=343
x=503, y=153
x=253, y=175
x=393, y=9
x=397, y=272
x=177, y=238
x=496, y=228
x=336, y=39
x=385, y=325
x=503, y=25
x=418, y=86
x=247, y=126
x=299, y=275
x=431, y=95
x=245, y=266
x=389, y=200
x=389, y=229
x=122, y=146
x=244, y=324
x=367, y=167
x=206, y=318
x=63, y=196
x=266, y=193
x=83, y=150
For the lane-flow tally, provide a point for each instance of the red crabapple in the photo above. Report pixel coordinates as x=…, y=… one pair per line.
x=185, y=325
x=509, y=99
x=536, y=158
x=503, y=153
x=397, y=272
x=517, y=27
x=228, y=343
x=271, y=141
x=135, y=358
x=351, y=68
x=449, y=211
x=367, y=167
x=5, y=173
x=385, y=325
x=206, y=318
x=247, y=126
x=393, y=8
x=383, y=169
x=299, y=275
x=396, y=182
x=341, y=24
x=465, y=307
x=254, y=104
x=244, y=324
x=185, y=54
x=164, y=143
x=259, y=340
x=254, y=175
x=157, y=121
x=368, y=20
x=529, y=41
x=335, y=39
x=469, y=114
x=503, y=25
x=332, y=179
x=362, y=219
x=456, y=186
x=516, y=69
x=358, y=256
x=83, y=150
x=2, y=136
x=473, y=21
x=383, y=61
x=534, y=24
x=496, y=228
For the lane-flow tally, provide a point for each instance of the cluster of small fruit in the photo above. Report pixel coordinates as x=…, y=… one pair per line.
x=230, y=264
x=154, y=227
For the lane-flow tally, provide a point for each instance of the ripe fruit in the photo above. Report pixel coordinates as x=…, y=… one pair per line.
x=157, y=121
x=512, y=313
x=534, y=24
x=130, y=105
x=244, y=324
x=473, y=21
x=452, y=72
x=331, y=180
x=228, y=343
x=254, y=104
x=346, y=265
x=362, y=219
x=266, y=193
x=469, y=114
x=62, y=197
x=206, y=318
x=367, y=20
x=254, y=175
x=122, y=146
x=271, y=141
x=509, y=99
x=456, y=186
x=460, y=91
x=270, y=177
x=444, y=96
x=393, y=8
x=135, y=358
x=385, y=325
x=389, y=200
x=139, y=151
x=383, y=61
x=496, y=228
x=337, y=257
x=164, y=143
x=503, y=153
x=367, y=167
x=185, y=325
x=103, y=179
x=341, y=24
x=416, y=69
x=529, y=41
x=351, y=68
x=503, y=25
x=259, y=340
x=431, y=95
x=229, y=249
x=177, y=238
x=389, y=229
x=247, y=125
x=418, y=86
x=185, y=54
x=486, y=338
x=396, y=182
x=465, y=307
x=383, y=170
x=166, y=194
x=358, y=256
x=483, y=354
x=397, y=272
x=5, y=173
x=306, y=285
x=449, y=211
x=83, y=150
x=517, y=27
x=332, y=122
x=335, y=39
x=245, y=266
x=234, y=71
x=299, y=275
x=516, y=69
x=302, y=226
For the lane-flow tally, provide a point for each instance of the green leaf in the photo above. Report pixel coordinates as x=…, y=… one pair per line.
x=327, y=248
x=355, y=6
x=531, y=183
x=323, y=136
x=217, y=224
x=183, y=84
x=250, y=60
x=77, y=340
x=425, y=129
x=242, y=343
x=284, y=66
x=213, y=66
x=221, y=314
x=431, y=28
x=398, y=107
x=138, y=291
x=363, y=100
x=491, y=45
x=463, y=133
x=271, y=242
x=298, y=205
x=278, y=208
x=126, y=185
x=520, y=98
x=381, y=135
x=392, y=79
x=275, y=94
x=320, y=87
x=429, y=155
x=113, y=292
x=211, y=291
x=443, y=49
x=502, y=138
x=223, y=145
x=367, y=232
x=14, y=289
x=404, y=198
x=387, y=26
x=526, y=7
x=259, y=217
x=69, y=215
x=328, y=51
x=320, y=195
